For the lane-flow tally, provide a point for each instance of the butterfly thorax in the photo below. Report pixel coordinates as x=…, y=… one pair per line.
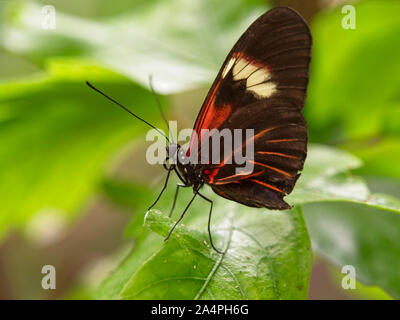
x=189, y=172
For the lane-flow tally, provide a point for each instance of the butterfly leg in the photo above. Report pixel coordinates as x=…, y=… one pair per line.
x=184, y=181
x=180, y=218
x=162, y=190
x=176, y=197
x=209, y=222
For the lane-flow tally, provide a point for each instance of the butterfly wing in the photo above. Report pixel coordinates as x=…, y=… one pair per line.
x=280, y=144
x=262, y=86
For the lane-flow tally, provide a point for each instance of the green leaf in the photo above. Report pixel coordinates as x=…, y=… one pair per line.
x=346, y=103
x=355, y=228
x=362, y=292
x=346, y=99
x=367, y=238
x=375, y=155
x=326, y=177
x=183, y=52
x=57, y=137
x=267, y=255
x=324, y=162
x=114, y=284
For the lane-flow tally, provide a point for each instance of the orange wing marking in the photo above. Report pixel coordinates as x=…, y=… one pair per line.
x=277, y=154
x=267, y=185
x=215, y=171
x=199, y=124
x=271, y=168
x=282, y=140
x=247, y=141
x=241, y=177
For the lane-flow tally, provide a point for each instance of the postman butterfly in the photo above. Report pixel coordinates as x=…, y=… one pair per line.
x=262, y=85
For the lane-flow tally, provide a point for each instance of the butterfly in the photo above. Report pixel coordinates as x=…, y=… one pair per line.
x=262, y=86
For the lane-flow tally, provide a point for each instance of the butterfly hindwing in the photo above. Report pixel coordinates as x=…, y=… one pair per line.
x=280, y=144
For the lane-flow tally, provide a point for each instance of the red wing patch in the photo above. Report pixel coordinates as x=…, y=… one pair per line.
x=211, y=117
x=217, y=116
x=205, y=112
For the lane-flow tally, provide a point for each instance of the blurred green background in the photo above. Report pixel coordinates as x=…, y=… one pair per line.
x=74, y=181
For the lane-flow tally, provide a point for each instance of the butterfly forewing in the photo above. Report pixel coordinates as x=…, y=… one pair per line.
x=261, y=86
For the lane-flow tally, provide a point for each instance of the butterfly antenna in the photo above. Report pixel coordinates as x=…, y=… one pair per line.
x=127, y=110
x=159, y=106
